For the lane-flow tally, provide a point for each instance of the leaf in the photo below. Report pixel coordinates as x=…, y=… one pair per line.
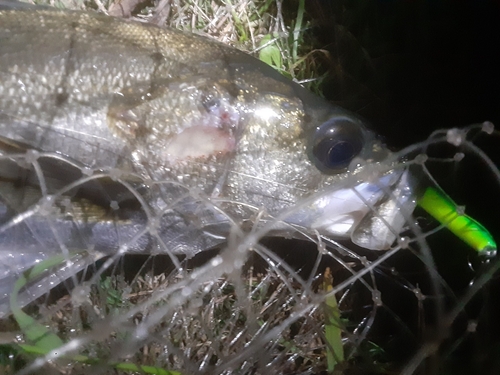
x=270, y=54
x=333, y=329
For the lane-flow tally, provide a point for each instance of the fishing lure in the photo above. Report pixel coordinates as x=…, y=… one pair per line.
x=469, y=230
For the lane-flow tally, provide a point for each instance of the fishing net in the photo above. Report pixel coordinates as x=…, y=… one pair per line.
x=253, y=304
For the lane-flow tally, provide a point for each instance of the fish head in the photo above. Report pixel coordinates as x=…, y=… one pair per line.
x=282, y=151
x=179, y=119
x=319, y=167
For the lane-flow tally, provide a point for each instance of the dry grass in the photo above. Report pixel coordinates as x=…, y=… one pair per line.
x=266, y=319
x=223, y=317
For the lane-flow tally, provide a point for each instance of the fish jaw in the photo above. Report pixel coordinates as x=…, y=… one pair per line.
x=370, y=214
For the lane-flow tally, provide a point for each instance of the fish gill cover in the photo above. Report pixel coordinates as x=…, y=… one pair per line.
x=233, y=286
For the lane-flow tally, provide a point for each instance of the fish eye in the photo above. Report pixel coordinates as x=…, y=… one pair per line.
x=335, y=143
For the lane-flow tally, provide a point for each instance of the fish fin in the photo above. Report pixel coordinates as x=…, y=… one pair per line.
x=19, y=5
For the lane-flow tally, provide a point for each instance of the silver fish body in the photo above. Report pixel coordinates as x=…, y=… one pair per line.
x=123, y=137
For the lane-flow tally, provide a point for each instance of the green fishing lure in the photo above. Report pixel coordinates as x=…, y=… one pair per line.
x=469, y=230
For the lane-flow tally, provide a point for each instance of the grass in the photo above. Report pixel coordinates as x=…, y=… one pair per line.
x=264, y=319
x=230, y=319
x=233, y=316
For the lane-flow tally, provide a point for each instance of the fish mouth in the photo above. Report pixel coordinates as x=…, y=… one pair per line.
x=372, y=214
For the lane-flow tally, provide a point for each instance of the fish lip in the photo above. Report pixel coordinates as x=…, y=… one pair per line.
x=337, y=213
x=379, y=229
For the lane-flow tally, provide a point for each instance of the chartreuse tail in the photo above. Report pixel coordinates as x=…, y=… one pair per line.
x=444, y=210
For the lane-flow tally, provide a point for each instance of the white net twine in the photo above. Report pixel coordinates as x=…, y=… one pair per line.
x=250, y=306
x=237, y=300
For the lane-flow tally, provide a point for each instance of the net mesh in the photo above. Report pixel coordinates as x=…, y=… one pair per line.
x=253, y=304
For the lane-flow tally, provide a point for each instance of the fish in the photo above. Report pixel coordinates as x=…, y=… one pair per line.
x=122, y=137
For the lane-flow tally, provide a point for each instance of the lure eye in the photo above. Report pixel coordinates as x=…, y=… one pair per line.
x=335, y=143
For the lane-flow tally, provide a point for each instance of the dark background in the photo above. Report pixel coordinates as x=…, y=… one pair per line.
x=411, y=67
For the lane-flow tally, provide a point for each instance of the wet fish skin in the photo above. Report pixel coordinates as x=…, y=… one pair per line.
x=102, y=90
x=173, y=115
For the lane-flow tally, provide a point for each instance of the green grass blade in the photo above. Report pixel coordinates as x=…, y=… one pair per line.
x=333, y=329
x=37, y=334
x=42, y=341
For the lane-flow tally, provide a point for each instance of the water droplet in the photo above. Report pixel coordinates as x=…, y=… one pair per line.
x=460, y=210
x=114, y=205
x=80, y=294
x=238, y=263
x=322, y=248
x=488, y=253
x=216, y=261
x=46, y=205
x=471, y=326
x=377, y=297
x=153, y=225
x=458, y=156
x=421, y=158
x=455, y=136
x=418, y=293
x=488, y=127
x=87, y=171
x=186, y=291
x=356, y=163
x=207, y=288
x=404, y=242
x=32, y=156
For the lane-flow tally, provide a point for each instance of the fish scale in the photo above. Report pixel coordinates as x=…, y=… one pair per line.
x=167, y=140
